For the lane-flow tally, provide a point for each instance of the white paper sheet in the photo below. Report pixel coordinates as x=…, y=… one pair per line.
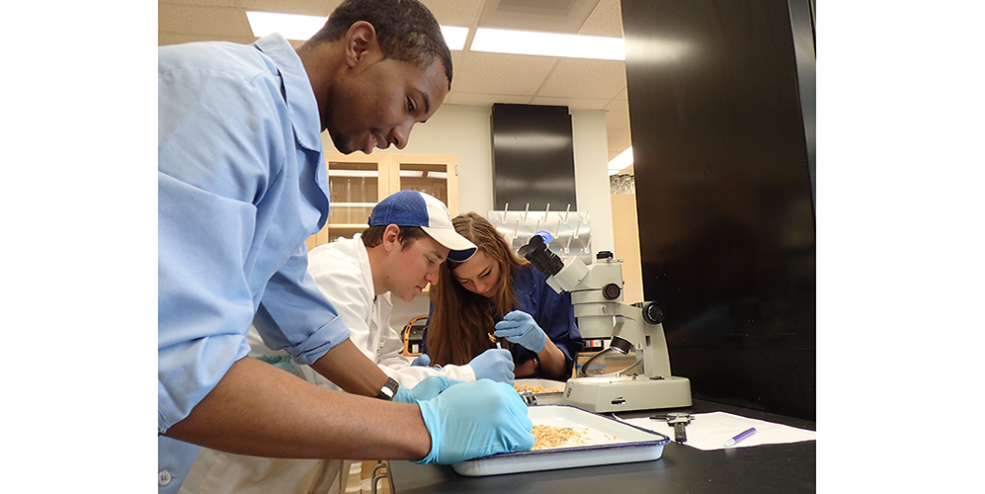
x=709, y=431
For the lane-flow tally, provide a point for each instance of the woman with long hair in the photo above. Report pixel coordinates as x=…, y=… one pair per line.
x=495, y=296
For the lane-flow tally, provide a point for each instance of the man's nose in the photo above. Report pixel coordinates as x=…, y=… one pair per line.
x=432, y=275
x=401, y=134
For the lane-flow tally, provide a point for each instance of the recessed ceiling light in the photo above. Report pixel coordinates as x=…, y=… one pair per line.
x=302, y=27
x=548, y=44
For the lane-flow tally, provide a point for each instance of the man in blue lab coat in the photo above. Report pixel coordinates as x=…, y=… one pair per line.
x=242, y=183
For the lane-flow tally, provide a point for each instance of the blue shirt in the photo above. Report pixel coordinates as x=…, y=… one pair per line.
x=241, y=184
x=552, y=311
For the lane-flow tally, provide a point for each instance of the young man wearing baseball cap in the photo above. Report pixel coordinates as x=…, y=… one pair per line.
x=410, y=234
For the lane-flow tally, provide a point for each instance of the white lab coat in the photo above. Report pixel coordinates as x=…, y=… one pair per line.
x=343, y=273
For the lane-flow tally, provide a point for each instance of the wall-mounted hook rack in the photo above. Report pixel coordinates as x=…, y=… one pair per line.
x=571, y=232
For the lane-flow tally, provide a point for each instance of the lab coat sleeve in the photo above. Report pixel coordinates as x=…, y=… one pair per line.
x=206, y=222
x=410, y=376
x=453, y=371
x=340, y=280
x=391, y=350
x=395, y=365
x=203, y=307
x=295, y=316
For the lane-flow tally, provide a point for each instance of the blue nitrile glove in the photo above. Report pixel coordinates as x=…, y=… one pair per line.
x=476, y=419
x=425, y=390
x=495, y=364
x=520, y=328
x=422, y=361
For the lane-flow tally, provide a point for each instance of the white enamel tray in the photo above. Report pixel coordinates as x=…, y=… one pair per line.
x=609, y=441
x=552, y=398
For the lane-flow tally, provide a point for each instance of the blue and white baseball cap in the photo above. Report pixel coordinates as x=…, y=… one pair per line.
x=413, y=208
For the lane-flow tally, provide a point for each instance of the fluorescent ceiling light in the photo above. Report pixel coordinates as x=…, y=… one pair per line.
x=302, y=27
x=548, y=44
x=455, y=36
x=290, y=26
x=621, y=161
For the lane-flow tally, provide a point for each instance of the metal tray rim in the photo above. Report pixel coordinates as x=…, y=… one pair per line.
x=550, y=394
x=660, y=441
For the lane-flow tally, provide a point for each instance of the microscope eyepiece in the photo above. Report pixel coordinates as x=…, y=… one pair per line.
x=540, y=256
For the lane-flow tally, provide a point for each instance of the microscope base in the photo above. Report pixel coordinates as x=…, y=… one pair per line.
x=617, y=394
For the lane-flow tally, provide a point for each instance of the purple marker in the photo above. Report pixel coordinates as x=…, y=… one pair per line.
x=742, y=435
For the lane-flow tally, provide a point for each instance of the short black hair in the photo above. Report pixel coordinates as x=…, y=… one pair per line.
x=407, y=31
x=373, y=235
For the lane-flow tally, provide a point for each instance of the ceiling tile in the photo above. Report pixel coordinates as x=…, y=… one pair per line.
x=500, y=74
x=212, y=3
x=164, y=39
x=481, y=79
x=562, y=16
x=606, y=20
x=217, y=22
x=300, y=7
x=463, y=13
x=484, y=99
x=581, y=78
x=572, y=103
x=448, y=12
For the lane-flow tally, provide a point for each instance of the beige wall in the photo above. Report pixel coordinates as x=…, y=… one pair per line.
x=465, y=132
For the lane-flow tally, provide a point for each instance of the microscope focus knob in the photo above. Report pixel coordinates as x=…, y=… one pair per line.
x=653, y=313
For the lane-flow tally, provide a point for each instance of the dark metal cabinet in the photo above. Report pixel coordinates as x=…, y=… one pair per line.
x=721, y=109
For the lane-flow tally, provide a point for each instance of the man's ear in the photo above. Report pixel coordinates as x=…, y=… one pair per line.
x=390, y=236
x=360, y=41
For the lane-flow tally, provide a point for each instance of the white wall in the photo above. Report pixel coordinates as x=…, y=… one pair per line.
x=592, y=175
x=466, y=132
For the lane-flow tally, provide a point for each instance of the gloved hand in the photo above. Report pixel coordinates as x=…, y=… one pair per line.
x=520, y=328
x=476, y=419
x=425, y=390
x=422, y=361
x=495, y=364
